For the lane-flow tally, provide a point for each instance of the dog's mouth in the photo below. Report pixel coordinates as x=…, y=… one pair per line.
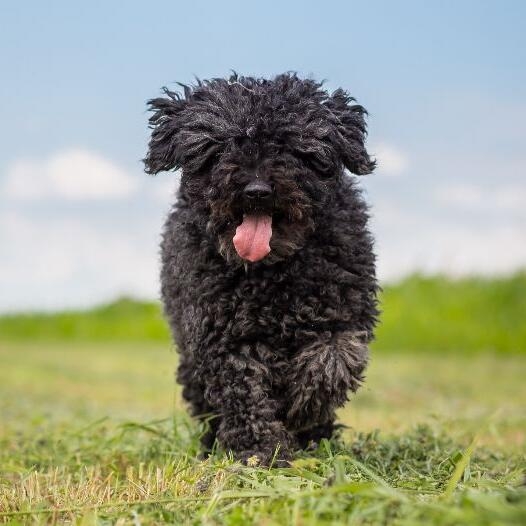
x=252, y=238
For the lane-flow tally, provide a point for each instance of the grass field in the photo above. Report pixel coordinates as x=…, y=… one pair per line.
x=95, y=433
x=93, y=430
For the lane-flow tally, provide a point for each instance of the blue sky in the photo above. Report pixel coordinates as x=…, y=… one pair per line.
x=444, y=83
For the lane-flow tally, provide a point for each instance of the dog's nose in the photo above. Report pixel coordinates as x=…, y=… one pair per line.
x=257, y=190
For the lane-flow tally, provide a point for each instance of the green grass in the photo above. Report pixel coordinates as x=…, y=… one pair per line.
x=465, y=315
x=93, y=429
x=123, y=320
x=419, y=315
x=96, y=433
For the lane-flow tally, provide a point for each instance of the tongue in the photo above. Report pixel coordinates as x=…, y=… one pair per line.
x=252, y=239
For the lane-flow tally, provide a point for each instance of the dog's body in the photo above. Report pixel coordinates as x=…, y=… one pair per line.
x=268, y=277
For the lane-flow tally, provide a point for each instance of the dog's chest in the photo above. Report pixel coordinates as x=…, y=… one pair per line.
x=272, y=309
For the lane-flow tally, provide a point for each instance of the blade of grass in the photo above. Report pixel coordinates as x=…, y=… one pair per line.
x=376, y=478
x=459, y=469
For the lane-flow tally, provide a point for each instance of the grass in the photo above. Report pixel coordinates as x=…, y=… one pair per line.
x=96, y=434
x=123, y=320
x=420, y=314
x=465, y=315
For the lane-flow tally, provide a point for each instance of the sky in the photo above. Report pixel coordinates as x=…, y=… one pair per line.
x=444, y=83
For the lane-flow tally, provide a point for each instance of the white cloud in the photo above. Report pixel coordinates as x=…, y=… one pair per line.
x=508, y=197
x=71, y=175
x=411, y=240
x=453, y=251
x=460, y=194
x=391, y=161
x=69, y=262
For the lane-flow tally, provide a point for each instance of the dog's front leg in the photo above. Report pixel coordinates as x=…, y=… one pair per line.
x=322, y=374
x=239, y=390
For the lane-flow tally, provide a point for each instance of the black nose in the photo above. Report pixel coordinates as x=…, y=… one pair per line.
x=257, y=190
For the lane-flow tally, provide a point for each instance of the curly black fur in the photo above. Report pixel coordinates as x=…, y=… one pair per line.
x=270, y=348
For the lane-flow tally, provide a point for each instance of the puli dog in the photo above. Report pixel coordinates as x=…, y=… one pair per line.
x=268, y=272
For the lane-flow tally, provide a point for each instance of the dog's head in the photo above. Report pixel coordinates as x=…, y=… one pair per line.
x=259, y=158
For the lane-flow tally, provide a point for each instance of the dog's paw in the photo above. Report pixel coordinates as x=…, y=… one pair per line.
x=322, y=375
x=309, y=403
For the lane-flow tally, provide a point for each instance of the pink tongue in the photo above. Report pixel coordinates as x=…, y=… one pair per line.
x=252, y=239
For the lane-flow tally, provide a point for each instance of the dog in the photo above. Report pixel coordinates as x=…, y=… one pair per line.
x=268, y=268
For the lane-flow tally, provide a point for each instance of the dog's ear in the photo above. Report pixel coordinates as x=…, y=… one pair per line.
x=350, y=132
x=164, y=152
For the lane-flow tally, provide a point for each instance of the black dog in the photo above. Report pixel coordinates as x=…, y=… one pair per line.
x=268, y=274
